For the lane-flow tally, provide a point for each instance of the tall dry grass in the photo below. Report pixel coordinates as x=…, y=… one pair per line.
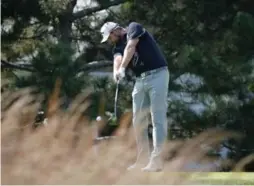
x=63, y=152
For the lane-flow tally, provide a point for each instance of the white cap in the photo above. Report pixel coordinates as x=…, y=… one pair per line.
x=106, y=29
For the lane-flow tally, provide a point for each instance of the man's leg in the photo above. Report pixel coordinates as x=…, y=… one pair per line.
x=140, y=102
x=158, y=93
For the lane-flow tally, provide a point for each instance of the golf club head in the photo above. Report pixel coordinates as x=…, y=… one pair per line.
x=113, y=120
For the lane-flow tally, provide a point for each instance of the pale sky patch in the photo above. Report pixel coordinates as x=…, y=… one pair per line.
x=81, y=4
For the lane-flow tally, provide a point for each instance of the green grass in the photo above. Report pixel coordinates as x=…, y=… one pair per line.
x=223, y=178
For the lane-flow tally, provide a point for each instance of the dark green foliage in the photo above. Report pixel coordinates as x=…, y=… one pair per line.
x=55, y=61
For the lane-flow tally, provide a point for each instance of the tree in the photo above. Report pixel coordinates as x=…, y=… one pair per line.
x=53, y=41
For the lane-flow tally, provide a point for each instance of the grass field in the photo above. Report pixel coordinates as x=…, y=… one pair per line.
x=224, y=178
x=63, y=152
x=211, y=178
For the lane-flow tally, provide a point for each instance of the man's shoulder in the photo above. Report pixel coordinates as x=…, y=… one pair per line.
x=135, y=30
x=134, y=24
x=116, y=49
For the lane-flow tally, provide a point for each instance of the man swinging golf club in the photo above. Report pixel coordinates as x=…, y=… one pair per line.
x=136, y=49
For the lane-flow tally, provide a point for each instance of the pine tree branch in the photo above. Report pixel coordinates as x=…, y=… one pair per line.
x=95, y=65
x=91, y=66
x=89, y=11
x=8, y=65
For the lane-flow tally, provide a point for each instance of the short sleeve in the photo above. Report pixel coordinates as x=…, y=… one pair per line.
x=135, y=30
x=117, y=51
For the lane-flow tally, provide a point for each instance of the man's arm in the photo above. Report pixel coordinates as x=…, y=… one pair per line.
x=134, y=31
x=129, y=52
x=117, y=62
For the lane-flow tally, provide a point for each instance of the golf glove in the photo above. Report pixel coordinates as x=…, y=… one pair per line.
x=120, y=74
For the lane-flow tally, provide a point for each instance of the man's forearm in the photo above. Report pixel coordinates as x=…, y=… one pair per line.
x=117, y=65
x=128, y=54
x=117, y=62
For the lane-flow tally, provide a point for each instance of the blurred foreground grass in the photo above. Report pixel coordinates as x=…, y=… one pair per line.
x=63, y=151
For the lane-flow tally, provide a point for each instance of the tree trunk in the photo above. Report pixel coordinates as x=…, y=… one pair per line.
x=65, y=23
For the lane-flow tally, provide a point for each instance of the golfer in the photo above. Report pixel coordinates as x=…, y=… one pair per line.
x=136, y=49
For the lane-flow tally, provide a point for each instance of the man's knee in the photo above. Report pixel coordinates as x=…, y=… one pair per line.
x=159, y=117
x=140, y=117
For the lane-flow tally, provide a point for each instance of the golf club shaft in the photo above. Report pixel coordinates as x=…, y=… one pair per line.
x=116, y=97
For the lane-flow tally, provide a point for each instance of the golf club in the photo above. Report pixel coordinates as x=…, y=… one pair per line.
x=113, y=119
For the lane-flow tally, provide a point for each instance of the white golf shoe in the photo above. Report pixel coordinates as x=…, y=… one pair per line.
x=135, y=166
x=132, y=167
x=153, y=166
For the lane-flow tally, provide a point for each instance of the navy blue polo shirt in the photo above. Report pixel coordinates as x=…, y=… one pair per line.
x=148, y=55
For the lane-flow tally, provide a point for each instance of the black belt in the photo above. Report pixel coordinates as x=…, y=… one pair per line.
x=144, y=74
